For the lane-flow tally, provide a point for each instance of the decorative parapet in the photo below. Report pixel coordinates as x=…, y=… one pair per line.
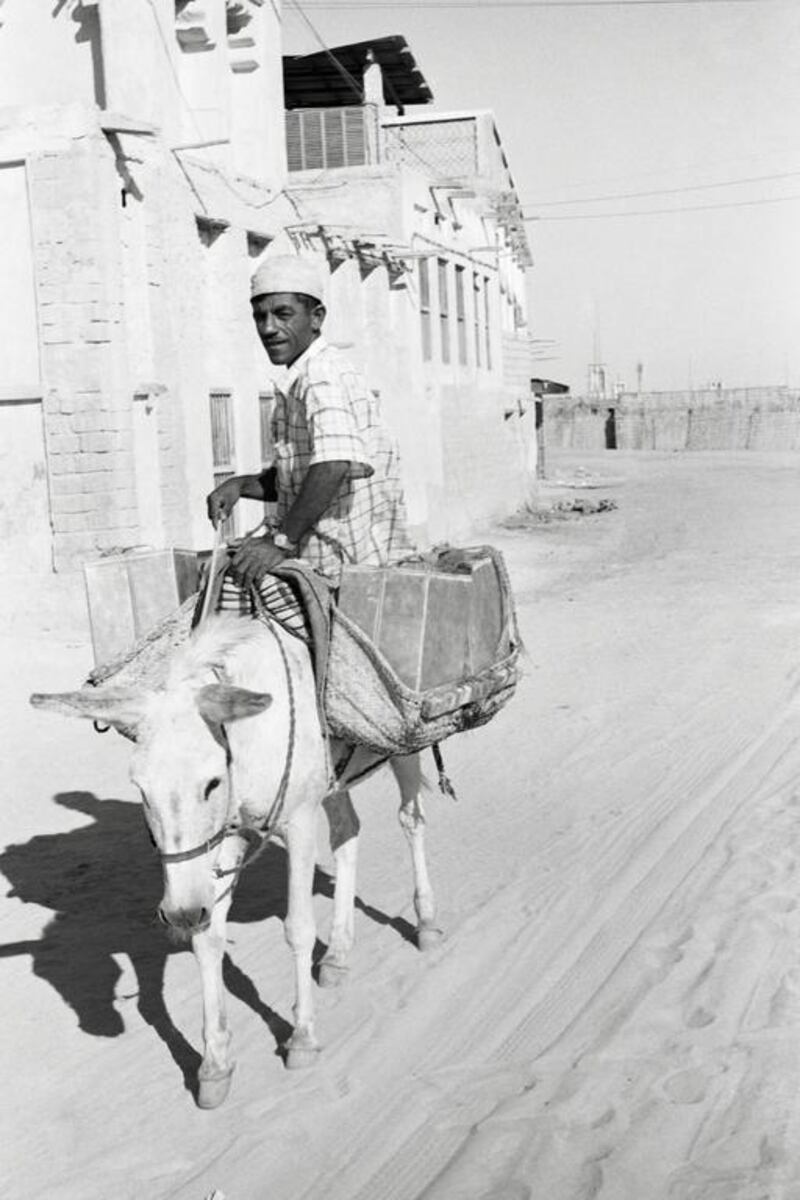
x=508, y=213
x=238, y=16
x=342, y=245
x=241, y=44
x=210, y=228
x=192, y=26
x=337, y=248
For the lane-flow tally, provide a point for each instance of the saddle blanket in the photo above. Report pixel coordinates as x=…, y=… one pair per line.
x=278, y=598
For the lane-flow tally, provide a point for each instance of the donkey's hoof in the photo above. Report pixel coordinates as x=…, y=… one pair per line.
x=301, y=1052
x=428, y=937
x=332, y=974
x=212, y=1090
x=301, y=1058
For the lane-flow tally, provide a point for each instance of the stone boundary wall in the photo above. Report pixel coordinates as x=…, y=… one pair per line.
x=716, y=419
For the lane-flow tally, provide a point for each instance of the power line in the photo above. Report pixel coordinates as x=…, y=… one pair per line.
x=327, y=5
x=175, y=76
x=689, y=187
x=655, y=212
x=175, y=151
x=345, y=74
x=607, y=180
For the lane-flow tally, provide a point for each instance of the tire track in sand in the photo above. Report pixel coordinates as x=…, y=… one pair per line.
x=679, y=1080
x=541, y=996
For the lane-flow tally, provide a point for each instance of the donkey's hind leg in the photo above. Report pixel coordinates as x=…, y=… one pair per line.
x=344, y=827
x=408, y=773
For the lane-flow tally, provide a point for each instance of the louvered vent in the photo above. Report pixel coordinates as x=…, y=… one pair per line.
x=319, y=139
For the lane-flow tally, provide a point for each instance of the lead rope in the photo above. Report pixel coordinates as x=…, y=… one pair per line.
x=445, y=786
x=219, y=541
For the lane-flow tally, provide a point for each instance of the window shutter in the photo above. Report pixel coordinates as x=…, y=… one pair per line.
x=222, y=446
x=355, y=136
x=294, y=141
x=334, y=138
x=313, y=141
x=319, y=138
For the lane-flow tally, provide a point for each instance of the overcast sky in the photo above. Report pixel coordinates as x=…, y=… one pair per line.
x=613, y=99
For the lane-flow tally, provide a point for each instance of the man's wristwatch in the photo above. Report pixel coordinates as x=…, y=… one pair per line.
x=280, y=540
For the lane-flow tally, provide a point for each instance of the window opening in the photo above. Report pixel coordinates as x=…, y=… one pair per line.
x=486, y=323
x=425, y=309
x=444, y=310
x=461, y=316
x=222, y=447
x=476, y=313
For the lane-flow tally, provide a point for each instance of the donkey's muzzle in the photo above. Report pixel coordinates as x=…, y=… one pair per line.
x=185, y=922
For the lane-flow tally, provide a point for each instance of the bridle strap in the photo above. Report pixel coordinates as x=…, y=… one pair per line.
x=197, y=851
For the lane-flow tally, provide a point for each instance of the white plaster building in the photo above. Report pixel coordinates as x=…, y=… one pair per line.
x=143, y=171
x=419, y=216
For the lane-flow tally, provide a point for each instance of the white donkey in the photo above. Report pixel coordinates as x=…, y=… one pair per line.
x=229, y=750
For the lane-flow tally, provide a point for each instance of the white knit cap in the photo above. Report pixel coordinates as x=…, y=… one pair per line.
x=288, y=273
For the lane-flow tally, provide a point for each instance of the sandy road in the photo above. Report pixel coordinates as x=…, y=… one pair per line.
x=615, y=1009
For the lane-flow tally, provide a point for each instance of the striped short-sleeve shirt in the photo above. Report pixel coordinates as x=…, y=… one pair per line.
x=324, y=413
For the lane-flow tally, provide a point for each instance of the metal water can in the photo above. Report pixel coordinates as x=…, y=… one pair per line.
x=433, y=627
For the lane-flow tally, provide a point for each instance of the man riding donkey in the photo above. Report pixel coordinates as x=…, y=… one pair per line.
x=336, y=472
x=214, y=784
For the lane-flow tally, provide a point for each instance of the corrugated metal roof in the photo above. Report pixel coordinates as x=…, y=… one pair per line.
x=315, y=80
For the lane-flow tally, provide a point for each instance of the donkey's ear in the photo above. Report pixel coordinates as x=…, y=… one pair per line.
x=221, y=703
x=112, y=706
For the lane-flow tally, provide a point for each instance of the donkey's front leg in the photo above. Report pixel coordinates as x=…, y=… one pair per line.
x=214, y=1076
x=300, y=930
x=408, y=773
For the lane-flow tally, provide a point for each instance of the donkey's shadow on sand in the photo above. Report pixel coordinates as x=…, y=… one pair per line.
x=103, y=883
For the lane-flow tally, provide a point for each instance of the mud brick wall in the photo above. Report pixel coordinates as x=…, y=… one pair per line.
x=86, y=415
x=119, y=288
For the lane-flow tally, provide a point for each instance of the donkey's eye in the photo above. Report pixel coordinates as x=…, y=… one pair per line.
x=211, y=786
